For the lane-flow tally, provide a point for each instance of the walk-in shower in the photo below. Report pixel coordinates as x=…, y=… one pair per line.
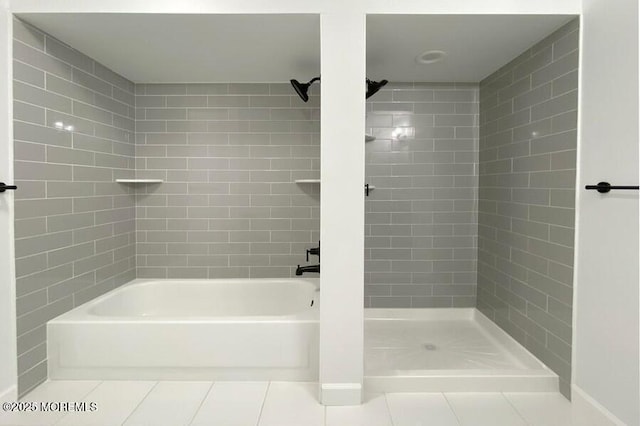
x=468, y=235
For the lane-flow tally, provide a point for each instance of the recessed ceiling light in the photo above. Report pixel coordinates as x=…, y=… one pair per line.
x=430, y=56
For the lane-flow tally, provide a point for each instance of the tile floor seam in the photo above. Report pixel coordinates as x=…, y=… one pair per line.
x=140, y=402
x=324, y=410
x=206, y=395
x=264, y=399
x=324, y=413
x=81, y=399
x=386, y=403
x=451, y=408
x=516, y=409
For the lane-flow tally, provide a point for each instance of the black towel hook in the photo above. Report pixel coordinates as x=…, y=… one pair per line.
x=604, y=187
x=4, y=187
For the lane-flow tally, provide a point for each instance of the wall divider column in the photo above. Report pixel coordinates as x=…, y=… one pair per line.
x=342, y=207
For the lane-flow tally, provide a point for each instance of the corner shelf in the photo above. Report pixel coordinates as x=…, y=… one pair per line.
x=369, y=138
x=139, y=180
x=318, y=181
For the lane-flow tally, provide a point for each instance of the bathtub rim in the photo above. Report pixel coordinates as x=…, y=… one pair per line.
x=82, y=313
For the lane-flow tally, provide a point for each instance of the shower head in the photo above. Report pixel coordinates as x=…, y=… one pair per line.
x=374, y=86
x=302, y=89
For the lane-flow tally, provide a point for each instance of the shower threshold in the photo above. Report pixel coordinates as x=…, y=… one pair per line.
x=447, y=350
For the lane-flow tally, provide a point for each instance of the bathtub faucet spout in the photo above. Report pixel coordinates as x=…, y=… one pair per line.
x=311, y=268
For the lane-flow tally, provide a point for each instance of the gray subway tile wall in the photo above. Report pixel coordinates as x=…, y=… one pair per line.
x=464, y=203
x=229, y=155
x=528, y=119
x=421, y=218
x=74, y=225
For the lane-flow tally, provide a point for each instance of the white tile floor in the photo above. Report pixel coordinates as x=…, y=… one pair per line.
x=281, y=404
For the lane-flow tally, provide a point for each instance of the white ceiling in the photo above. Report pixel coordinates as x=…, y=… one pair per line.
x=157, y=48
x=476, y=45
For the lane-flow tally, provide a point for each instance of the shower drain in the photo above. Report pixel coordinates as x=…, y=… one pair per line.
x=430, y=346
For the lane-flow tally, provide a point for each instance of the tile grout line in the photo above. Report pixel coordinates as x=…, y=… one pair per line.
x=93, y=105
x=386, y=403
x=264, y=400
x=206, y=395
x=451, y=408
x=72, y=66
x=86, y=395
x=515, y=409
x=32, y=388
x=141, y=401
x=324, y=409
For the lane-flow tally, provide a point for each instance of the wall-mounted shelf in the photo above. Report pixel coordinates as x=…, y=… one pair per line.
x=318, y=181
x=367, y=186
x=139, y=180
x=369, y=138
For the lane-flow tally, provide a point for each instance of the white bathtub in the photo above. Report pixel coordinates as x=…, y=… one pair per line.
x=227, y=329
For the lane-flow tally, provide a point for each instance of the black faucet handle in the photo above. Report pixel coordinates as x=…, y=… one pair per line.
x=314, y=251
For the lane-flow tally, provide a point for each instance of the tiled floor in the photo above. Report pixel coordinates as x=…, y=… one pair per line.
x=281, y=404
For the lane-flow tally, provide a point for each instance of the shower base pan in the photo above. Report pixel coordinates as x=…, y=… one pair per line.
x=447, y=350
